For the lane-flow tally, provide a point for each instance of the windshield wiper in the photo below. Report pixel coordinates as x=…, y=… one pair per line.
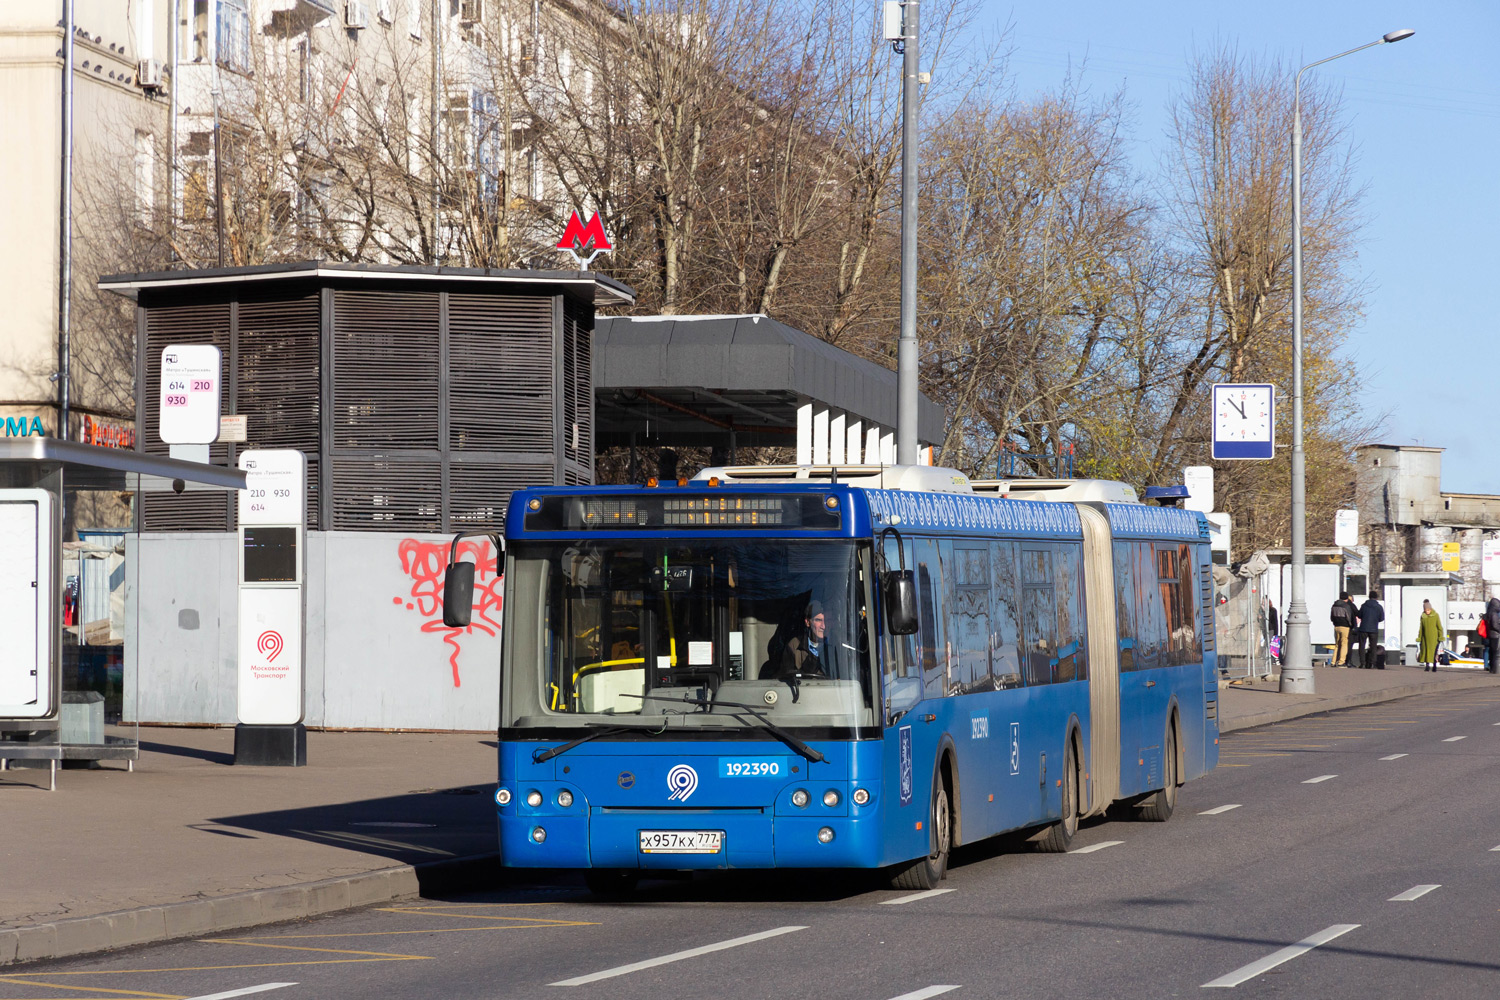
x=781, y=734
x=540, y=756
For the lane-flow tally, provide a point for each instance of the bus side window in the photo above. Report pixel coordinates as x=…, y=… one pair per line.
x=1125, y=605
x=902, y=673
x=1150, y=614
x=929, y=603
x=1072, y=637
x=969, y=617
x=1040, y=608
x=1005, y=617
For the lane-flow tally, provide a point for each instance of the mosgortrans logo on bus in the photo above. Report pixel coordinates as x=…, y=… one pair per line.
x=580, y=236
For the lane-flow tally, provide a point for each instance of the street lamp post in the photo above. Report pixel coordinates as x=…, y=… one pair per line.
x=1296, y=667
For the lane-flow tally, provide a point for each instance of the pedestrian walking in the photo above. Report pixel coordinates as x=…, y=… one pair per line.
x=1492, y=640
x=1343, y=615
x=1430, y=636
x=1371, y=614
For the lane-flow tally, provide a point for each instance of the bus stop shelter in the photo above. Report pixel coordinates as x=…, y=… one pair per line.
x=65, y=687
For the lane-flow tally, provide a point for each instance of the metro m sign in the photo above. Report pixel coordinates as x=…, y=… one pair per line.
x=579, y=236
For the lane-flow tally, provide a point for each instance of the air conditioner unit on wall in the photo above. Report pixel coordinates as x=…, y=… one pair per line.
x=356, y=15
x=471, y=11
x=148, y=74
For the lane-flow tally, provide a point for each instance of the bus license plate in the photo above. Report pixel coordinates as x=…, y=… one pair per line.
x=682, y=841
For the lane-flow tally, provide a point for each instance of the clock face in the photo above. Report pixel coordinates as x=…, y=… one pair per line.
x=1242, y=413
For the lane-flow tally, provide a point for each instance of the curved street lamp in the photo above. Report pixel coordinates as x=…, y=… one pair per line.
x=1296, y=668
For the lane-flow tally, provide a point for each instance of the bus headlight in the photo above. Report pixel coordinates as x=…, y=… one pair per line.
x=861, y=797
x=800, y=798
x=533, y=798
x=502, y=796
x=825, y=835
x=538, y=835
x=830, y=798
x=565, y=798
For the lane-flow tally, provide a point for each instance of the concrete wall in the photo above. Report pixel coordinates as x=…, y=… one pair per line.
x=378, y=656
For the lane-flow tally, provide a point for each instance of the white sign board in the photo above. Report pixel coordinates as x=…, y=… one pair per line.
x=270, y=656
x=1346, y=528
x=1489, y=570
x=27, y=593
x=190, y=376
x=1199, y=480
x=1218, y=540
x=234, y=430
x=275, y=486
x=1463, y=616
x=1321, y=588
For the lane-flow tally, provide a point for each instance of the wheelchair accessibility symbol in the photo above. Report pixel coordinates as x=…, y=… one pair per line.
x=1015, y=748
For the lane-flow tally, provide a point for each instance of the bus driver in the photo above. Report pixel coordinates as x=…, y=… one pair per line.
x=807, y=654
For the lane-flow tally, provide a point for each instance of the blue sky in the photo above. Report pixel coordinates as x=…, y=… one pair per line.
x=1425, y=118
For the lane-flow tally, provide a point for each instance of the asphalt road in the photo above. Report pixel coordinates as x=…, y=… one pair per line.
x=1352, y=855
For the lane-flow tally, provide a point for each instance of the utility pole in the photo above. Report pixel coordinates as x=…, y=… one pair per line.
x=906, y=349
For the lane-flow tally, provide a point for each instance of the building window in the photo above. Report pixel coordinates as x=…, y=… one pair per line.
x=232, y=33
x=145, y=177
x=414, y=17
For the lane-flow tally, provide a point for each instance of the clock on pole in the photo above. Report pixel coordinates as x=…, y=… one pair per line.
x=1244, y=420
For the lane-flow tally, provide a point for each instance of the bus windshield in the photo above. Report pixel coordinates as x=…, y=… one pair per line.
x=687, y=635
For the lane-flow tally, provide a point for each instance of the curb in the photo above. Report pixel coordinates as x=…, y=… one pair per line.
x=169, y=922
x=1299, y=709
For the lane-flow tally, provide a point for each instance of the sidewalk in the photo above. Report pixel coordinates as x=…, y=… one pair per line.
x=187, y=845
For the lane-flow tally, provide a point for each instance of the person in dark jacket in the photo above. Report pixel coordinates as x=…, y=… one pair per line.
x=1343, y=615
x=1371, y=614
x=1492, y=626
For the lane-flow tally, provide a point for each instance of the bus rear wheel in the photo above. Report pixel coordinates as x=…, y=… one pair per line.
x=611, y=882
x=927, y=872
x=1159, y=805
x=1060, y=834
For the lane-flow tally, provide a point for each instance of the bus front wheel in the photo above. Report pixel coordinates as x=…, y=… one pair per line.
x=927, y=872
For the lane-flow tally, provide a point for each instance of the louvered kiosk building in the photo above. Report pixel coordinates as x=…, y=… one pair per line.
x=421, y=398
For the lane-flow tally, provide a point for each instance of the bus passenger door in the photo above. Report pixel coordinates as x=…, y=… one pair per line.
x=1142, y=640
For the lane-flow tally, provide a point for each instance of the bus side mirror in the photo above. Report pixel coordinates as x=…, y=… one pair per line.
x=900, y=595
x=458, y=594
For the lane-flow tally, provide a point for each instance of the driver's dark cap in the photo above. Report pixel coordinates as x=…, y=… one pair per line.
x=813, y=610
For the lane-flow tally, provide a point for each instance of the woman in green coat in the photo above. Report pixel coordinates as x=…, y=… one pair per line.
x=1429, y=635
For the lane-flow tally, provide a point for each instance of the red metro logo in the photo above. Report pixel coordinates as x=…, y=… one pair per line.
x=579, y=236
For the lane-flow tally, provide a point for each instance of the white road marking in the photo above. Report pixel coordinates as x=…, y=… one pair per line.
x=923, y=994
x=1276, y=958
x=1455, y=739
x=1321, y=777
x=1415, y=892
x=677, y=956
x=1495, y=848
x=1097, y=847
x=1219, y=809
x=913, y=898
x=1394, y=756
x=244, y=992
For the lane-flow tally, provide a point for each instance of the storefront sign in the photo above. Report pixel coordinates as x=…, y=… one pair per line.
x=24, y=427
x=107, y=434
x=1463, y=616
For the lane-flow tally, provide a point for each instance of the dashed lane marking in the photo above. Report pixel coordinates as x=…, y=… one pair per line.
x=1415, y=892
x=1271, y=961
x=923, y=994
x=1455, y=739
x=1097, y=847
x=1216, y=810
x=913, y=898
x=243, y=992
x=1394, y=756
x=678, y=956
x=1321, y=777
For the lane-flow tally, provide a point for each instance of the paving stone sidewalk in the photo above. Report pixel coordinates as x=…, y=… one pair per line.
x=189, y=845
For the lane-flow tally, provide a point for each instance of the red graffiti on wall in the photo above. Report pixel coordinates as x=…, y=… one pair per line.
x=425, y=563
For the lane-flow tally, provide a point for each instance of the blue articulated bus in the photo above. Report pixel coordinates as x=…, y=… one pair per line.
x=857, y=667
